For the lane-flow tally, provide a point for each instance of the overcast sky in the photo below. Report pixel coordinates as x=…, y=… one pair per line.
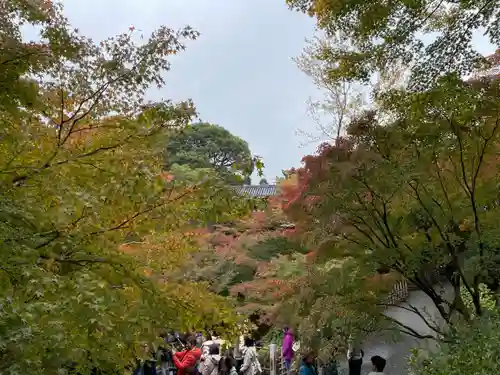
x=239, y=73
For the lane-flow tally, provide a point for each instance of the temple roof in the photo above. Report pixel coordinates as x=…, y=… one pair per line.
x=256, y=191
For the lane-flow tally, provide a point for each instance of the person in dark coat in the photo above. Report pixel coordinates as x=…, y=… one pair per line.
x=355, y=357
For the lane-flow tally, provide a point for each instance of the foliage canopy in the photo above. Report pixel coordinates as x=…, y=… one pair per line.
x=473, y=350
x=205, y=145
x=385, y=33
x=255, y=260
x=409, y=185
x=90, y=225
x=410, y=188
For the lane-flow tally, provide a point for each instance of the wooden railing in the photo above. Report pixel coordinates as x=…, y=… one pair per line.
x=399, y=292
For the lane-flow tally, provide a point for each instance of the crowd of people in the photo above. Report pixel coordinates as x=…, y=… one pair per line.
x=309, y=365
x=198, y=356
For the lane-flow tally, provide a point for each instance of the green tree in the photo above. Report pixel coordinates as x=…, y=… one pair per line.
x=410, y=186
x=342, y=99
x=473, y=350
x=81, y=166
x=404, y=191
x=382, y=34
x=205, y=145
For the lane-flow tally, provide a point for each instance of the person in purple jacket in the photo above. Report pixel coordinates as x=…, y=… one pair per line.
x=287, y=348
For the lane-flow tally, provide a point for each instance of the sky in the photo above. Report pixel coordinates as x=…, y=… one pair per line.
x=239, y=73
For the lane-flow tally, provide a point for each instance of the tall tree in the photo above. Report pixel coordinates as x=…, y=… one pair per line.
x=205, y=145
x=409, y=190
x=342, y=100
x=81, y=174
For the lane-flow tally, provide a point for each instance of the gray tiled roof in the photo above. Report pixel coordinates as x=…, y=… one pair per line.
x=256, y=191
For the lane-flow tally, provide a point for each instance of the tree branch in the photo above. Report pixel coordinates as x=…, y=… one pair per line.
x=443, y=188
x=130, y=219
x=416, y=311
x=19, y=179
x=410, y=331
x=79, y=262
x=377, y=224
x=414, y=186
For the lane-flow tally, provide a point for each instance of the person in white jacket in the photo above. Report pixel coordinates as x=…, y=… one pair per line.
x=211, y=361
x=205, y=347
x=251, y=364
x=238, y=352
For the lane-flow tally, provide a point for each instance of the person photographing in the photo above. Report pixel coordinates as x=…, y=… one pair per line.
x=188, y=359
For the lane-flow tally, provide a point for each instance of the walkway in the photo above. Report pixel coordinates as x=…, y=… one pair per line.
x=396, y=353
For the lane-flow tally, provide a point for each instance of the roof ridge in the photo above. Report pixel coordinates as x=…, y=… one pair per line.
x=256, y=190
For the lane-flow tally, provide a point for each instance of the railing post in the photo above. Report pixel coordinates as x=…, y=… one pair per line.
x=272, y=359
x=320, y=367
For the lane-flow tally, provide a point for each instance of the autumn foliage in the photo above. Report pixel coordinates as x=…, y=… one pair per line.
x=403, y=194
x=257, y=260
x=92, y=226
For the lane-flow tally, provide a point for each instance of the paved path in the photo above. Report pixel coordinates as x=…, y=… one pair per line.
x=396, y=353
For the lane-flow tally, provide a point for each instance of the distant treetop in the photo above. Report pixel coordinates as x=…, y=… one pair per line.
x=205, y=145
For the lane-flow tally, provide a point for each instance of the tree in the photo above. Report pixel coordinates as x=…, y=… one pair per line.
x=253, y=260
x=469, y=347
x=387, y=150
x=383, y=34
x=80, y=178
x=263, y=181
x=20, y=58
x=342, y=100
x=211, y=146
x=406, y=190
x=471, y=351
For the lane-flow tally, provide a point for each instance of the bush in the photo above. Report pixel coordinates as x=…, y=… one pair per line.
x=486, y=298
x=471, y=350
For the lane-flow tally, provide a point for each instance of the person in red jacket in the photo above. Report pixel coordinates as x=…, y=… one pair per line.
x=187, y=359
